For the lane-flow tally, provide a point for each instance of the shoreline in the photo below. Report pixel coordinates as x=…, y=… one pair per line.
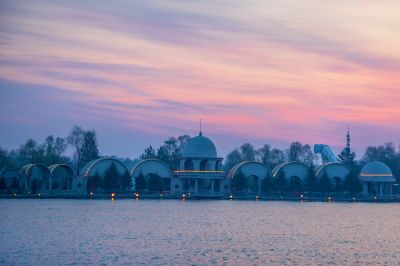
x=205, y=197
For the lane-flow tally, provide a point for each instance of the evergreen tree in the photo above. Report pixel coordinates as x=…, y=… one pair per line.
x=311, y=182
x=140, y=182
x=14, y=184
x=280, y=182
x=295, y=184
x=112, y=178
x=352, y=183
x=155, y=182
x=162, y=155
x=325, y=184
x=267, y=184
x=3, y=185
x=89, y=148
x=35, y=186
x=54, y=185
x=94, y=182
x=126, y=181
x=239, y=182
x=346, y=156
x=149, y=153
x=338, y=185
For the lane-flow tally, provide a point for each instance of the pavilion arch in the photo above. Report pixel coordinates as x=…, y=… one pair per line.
x=153, y=166
x=35, y=177
x=337, y=172
x=291, y=169
x=101, y=165
x=333, y=169
x=62, y=176
x=55, y=167
x=253, y=171
x=97, y=167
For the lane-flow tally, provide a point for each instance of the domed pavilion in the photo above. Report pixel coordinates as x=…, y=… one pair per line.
x=377, y=179
x=200, y=169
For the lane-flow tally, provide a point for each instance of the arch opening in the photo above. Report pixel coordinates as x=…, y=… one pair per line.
x=204, y=165
x=189, y=165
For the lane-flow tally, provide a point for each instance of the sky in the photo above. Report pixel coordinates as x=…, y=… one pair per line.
x=254, y=71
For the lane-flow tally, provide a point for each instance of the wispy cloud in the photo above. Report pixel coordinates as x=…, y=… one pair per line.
x=262, y=70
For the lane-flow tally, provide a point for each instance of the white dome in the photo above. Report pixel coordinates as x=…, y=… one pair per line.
x=376, y=171
x=199, y=146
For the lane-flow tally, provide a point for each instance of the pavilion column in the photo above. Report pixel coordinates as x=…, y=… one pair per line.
x=212, y=186
x=50, y=183
x=381, y=188
x=195, y=185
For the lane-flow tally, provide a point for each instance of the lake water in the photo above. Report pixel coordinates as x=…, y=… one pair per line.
x=170, y=232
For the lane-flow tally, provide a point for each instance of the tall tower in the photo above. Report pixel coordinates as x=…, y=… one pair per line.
x=346, y=156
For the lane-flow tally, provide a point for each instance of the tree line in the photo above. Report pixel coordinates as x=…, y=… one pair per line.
x=52, y=151
x=169, y=152
x=312, y=184
x=112, y=181
x=84, y=146
x=302, y=153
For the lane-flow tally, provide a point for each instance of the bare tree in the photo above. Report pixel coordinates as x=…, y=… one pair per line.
x=76, y=139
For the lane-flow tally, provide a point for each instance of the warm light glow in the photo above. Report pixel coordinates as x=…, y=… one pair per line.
x=376, y=175
x=194, y=171
x=113, y=194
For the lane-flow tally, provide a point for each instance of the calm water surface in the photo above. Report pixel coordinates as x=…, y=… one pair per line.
x=168, y=232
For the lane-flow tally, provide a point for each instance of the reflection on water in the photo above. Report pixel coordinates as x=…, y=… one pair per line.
x=168, y=232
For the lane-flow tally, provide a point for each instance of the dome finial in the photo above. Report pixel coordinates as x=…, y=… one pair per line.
x=348, y=135
x=200, y=133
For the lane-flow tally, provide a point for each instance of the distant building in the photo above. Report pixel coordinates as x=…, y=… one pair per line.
x=377, y=179
x=200, y=169
x=199, y=172
x=253, y=172
x=156, y=167
x=291, y=171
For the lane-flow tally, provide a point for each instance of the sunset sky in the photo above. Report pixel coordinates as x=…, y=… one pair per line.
x=254, y=71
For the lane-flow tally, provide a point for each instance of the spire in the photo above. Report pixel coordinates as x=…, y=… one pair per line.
x=200, y=133
x=348, y=136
